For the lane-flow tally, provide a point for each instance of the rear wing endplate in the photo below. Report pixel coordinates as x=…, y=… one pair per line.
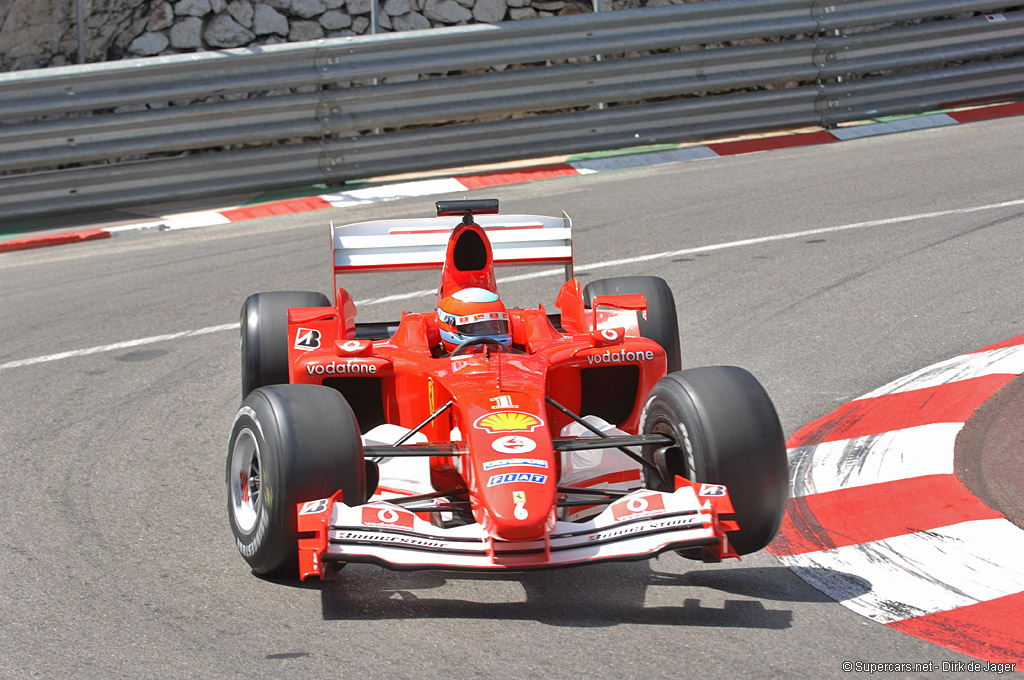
x=418, y=244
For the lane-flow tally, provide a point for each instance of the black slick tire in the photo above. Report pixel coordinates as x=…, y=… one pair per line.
x=289, y=444
x=264, y=327
x=727, y=432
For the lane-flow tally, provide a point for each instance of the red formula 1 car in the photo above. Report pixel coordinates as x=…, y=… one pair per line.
x=478, y=437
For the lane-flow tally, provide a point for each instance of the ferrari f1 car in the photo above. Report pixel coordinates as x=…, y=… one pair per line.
x=483, y=438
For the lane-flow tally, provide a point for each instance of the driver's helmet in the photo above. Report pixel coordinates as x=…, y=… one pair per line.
x=472, y=313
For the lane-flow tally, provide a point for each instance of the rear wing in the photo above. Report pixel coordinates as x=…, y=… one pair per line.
x=418, y=244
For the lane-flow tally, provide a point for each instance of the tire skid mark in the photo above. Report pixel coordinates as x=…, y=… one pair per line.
x=879, y=521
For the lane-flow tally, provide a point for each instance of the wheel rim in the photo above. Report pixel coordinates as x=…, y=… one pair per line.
x=676, y=459
x=246, y=476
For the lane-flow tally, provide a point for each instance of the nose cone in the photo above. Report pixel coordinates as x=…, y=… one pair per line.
x=514, y=475
x=520, y=506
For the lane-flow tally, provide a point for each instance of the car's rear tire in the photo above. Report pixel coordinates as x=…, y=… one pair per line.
x=661, y=324
x=289, y=444
x=727, y=432
x=265, y=335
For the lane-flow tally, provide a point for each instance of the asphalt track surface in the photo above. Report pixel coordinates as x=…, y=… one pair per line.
x=826, y=271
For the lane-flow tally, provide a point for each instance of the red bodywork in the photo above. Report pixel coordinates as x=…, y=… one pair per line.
x=498, y=398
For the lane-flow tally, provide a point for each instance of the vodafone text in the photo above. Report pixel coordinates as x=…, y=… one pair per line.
x=619, y=357
x=341, y=368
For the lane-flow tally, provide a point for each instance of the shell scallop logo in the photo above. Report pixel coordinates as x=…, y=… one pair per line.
x=508, y=421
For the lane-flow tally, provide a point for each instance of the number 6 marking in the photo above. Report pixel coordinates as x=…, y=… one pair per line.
x=519, y=498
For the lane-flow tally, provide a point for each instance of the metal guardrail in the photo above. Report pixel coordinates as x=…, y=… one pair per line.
x=338, y=109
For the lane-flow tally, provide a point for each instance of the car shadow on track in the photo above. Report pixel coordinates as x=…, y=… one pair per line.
x=593, y=596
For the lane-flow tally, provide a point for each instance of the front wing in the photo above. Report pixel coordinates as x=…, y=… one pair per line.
x=639, y=525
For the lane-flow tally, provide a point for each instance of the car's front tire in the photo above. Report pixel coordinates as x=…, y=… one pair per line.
x=727, y=432
x=289, y=444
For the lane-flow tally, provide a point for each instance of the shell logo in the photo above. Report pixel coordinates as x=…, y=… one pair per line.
x=508, y=421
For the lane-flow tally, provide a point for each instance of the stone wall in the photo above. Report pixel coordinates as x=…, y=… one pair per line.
x=40, y=33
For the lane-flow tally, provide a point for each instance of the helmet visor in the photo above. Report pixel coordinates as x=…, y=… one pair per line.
x=491, y=327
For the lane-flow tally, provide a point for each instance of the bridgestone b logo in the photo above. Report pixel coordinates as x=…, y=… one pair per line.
x=619, y=357
x=307, y=338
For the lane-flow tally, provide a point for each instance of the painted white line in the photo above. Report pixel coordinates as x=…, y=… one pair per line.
x=801, y=234
x=426, y=187
x=119, y=345
x=886, y=457
x=138, y=226
x=717, y=246
x=394, y=298
x=194, y=220
x=921, y=573
x=553, y=272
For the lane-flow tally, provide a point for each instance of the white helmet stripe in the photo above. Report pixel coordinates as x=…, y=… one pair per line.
x=483, y=316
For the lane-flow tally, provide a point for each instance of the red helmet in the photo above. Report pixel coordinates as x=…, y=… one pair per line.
x=472, y=313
